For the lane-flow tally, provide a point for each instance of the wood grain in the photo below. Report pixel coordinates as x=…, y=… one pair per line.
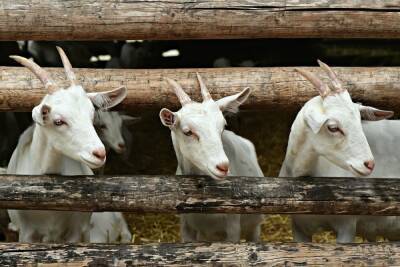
x=195, y=19
x=271, y=87
x=216, y=254
x=184, y=194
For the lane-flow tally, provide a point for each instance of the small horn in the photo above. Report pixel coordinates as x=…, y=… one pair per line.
x=182, y=96
x=336, y=84
x=322, y=88
x=67, y=66
x=40, y=73
x=204, y=91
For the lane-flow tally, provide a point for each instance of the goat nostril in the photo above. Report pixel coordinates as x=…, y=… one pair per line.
x=370, y=164
x=99, y=153
x=223, y=167
x=121, y=146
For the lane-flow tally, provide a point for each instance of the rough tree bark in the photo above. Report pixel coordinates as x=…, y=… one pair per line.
x=183, y=194
x=188, y=19
x=271, y=87
x=291, y=254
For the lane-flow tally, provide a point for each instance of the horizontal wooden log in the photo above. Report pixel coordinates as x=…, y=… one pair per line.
x=290, y=254
x=188, y=19
x=183, y=194
x=271, y=87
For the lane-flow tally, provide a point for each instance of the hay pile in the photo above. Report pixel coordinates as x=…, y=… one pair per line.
x=153, y=228
x=159, y=228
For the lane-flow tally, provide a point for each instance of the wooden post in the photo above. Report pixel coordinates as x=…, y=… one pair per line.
x=271, y=87
x=188, y=19
x=185, y=194
x=290, y=254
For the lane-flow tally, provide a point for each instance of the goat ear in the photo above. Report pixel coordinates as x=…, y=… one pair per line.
x=232, y=103
x=40, y=114
x=168, y=118
x=372, y=114
x=108, y=99
x=314, y=119
x=129, y=120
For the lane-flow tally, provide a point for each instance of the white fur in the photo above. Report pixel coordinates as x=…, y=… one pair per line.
x=310, y=138
x=109, y=227
x=311, y=142
x=45, y=148
x=201, y=152
x=197, y=227
x=383, y=139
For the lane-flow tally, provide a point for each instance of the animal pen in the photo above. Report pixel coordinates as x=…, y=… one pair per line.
x=278, y=87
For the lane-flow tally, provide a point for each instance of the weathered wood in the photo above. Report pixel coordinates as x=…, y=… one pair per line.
x=183, y=194
x=195, y=19
x=286, y=254
x=272, y=87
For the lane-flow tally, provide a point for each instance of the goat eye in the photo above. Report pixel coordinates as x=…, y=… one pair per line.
x=188, y=133
x=103, y=127
x=59, y=122
x=333, y=128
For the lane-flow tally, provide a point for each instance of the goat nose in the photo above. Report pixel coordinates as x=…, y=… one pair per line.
x=223, y=167
x=370, y=164
x=121, y=145
x=99, y=153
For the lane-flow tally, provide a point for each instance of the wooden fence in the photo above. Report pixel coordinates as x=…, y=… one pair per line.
x=188, y=19
x=216, y=254
x=272, y=88
x=183, y=194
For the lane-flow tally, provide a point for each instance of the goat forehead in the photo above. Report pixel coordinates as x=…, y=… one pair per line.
x=341, y=106
x=115, y=117
x=342, y=99
x=201, y=110
x=111, y=119
x=73, y=94
x=340, y=112
x=70, y=105
x=201, y=116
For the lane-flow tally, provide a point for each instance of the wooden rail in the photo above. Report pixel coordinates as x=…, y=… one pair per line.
x=188, y=19
x=183, y=194
x=289, y=254
x=272, y=87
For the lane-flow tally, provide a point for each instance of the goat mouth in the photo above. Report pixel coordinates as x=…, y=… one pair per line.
x=216, y=175
x=358, y=172
x=93, y=164
x=119, y=150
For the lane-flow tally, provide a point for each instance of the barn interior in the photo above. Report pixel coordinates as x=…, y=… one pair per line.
x=267, y=129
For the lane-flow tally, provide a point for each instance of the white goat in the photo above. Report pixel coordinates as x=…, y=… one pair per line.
x=383, y=138
x=105, y=226
x=108, y=125
x=62, y=141
x=203, y=147
x=328, y=127
x=110, y=227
